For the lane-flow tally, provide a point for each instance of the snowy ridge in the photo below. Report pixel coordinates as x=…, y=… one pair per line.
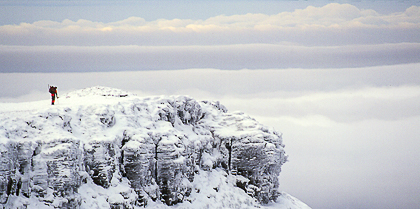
x=99, y=91
x=107, y=148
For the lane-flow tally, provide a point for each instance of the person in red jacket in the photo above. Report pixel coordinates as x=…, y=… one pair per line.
x=53, y=91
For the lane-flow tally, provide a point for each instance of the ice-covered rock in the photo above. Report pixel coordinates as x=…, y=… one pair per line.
x=106, y=148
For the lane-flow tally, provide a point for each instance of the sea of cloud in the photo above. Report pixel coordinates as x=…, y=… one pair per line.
x=232, y=57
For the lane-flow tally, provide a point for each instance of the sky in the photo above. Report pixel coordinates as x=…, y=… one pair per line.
x=339, y=79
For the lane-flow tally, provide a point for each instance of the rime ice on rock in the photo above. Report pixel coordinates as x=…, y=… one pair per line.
x=106, y=138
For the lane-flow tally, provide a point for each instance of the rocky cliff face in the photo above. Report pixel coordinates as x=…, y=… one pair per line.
x=105, y=148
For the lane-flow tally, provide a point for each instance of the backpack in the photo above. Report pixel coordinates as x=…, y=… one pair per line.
x=53, y=89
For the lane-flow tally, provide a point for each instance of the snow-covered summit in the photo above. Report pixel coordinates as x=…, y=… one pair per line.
x=99, y=91
x=106, y=148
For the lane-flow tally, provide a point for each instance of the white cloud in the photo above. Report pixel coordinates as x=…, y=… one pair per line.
x=330, y=15
x=313, y=25
x=320, y=108
x=368, y=164
x=231, y=57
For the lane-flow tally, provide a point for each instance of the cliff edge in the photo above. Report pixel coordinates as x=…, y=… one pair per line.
x=107, y=148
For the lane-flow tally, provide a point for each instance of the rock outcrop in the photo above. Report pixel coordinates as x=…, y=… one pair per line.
x=155, y=146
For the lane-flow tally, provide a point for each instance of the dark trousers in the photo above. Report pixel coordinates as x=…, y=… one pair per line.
x=52, y=99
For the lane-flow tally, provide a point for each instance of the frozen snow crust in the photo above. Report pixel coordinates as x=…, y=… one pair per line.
x=107, y=148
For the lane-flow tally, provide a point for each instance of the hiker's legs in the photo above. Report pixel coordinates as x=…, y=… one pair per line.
x=52, y=99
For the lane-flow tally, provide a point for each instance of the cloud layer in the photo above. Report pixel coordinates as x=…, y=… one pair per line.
x=230, y=57
x=332, y=36
x=332, y=24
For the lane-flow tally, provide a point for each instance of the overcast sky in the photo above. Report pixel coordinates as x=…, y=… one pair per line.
x=339, y=79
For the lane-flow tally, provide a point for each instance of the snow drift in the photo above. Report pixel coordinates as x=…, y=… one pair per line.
x=106, y=148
